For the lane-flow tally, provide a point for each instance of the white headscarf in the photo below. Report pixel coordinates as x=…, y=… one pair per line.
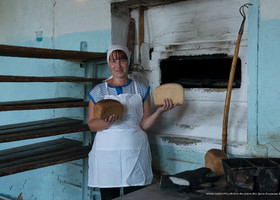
x=118, y=47
x=114, y=48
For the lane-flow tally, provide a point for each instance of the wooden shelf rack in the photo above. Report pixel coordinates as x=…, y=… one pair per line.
x=42, y=154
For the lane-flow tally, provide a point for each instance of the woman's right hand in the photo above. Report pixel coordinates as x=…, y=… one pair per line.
x=99, y=124
x=111, y=120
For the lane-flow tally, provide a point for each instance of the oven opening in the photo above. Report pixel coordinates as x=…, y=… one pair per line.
x=203, y=71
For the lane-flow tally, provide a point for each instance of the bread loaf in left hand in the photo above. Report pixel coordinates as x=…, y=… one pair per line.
x=172, y=91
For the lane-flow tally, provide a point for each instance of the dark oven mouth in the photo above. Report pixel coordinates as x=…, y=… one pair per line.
x=202, y=71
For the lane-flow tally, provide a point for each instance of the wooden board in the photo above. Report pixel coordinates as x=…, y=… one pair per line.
x=39, y=155
x=47, y=79
x=131, y=40
x=64, y=102
x=132, y=4
x=140, y=30
x=41, y=128
x=32, y=52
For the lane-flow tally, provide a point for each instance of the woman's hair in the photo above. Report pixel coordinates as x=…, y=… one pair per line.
x=118, y=55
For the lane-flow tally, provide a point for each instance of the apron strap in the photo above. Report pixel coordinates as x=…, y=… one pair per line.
x=135, y=87
x=107, y=88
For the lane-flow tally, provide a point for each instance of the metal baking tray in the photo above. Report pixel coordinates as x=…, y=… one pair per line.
x=253, y=174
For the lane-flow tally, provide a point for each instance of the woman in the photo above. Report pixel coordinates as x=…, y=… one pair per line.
x=120, y=156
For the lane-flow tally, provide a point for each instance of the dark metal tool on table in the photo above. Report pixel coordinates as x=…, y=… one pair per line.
x=189, y=180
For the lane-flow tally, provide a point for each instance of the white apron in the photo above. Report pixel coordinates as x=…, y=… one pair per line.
x=120, y=155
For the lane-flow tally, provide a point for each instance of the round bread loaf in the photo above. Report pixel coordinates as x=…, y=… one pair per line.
x=105, y=108
x=172, y=91
x=213, y=160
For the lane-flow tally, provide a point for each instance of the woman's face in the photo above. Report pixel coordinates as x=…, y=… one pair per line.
x=118, y=63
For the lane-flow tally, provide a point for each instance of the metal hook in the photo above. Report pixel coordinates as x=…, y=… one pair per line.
x=242, y=12
x=241, y=9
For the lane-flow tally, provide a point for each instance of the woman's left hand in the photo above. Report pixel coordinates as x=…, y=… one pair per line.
x=149, y=119
x=168, y=105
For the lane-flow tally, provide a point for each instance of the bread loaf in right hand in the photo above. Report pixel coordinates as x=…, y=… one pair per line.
x=172, y=91
x=105, y=108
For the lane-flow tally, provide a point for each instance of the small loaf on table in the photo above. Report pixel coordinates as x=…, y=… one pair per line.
x=214, y=161
x=105, y=108
x=172, y=91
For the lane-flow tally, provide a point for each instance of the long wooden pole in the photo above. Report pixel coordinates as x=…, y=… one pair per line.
x=140, y=30
x=228, y=96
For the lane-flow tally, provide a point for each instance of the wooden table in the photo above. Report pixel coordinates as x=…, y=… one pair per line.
x=219, y=191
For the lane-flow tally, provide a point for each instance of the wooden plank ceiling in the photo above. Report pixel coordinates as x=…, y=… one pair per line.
x=146, y=3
